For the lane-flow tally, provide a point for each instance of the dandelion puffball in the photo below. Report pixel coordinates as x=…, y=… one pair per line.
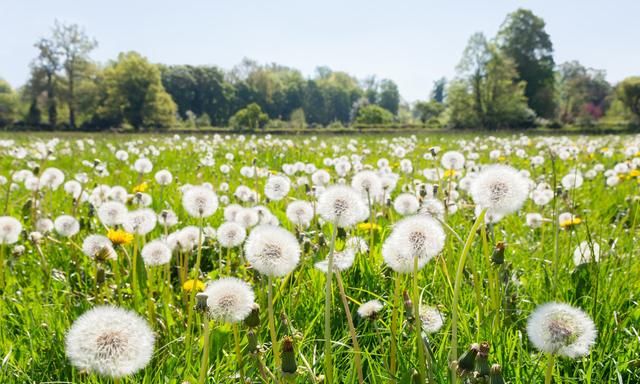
x=370, y=309
x=416, y=236
x=431, y=318
x=110, y=341
x=229, y=299
x=66, y=225
x=300, y=213
x=500, y=189
x=200, y=201
x=112, y=213
x=586, y=252
x=277, y=187
x=155, y=253
x=231, y=234
x=272, y=251
x=341, y=205
x=10, y=229
x=561, y=329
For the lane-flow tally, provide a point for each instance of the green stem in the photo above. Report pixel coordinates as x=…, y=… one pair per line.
x=272, y=326
x=397, y=302
x=548, y=377
x=422, y=368
x=192, y=293
x=453, y=354
x=204, y=364
x=328, y=364
x=2, y=250
x=236, y=337
x=352, y=330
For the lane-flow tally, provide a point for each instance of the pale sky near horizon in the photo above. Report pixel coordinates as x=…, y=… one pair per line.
x=411, y=42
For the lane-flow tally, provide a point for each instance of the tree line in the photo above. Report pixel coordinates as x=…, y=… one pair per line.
x=509, y=81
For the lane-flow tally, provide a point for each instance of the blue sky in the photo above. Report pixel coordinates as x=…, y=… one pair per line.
x=411, y=42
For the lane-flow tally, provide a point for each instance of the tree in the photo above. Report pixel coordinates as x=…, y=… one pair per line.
x=484, y=95
x=73, y=46
x=438, y=93
x=389, y=97
x=8, y=104
x=298, y=119
x=250, y=117
x=522, y=38
x=45, y=67
x=427, y=110
x=132, y=92
x=374, y=115
x=628, y=91
x=583, y=93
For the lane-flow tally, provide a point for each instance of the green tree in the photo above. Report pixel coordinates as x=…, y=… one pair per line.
x=132, y=92
x=374, y=115
x=583, y=93
x=73, y=47
x=389, y=97
x=298, y=119
x=438, y=93
x=427, y=110
x=9, y=104
x=484, y=95
x=628, y=91
x=522, y=37
x=44, y=75
x=250, y=117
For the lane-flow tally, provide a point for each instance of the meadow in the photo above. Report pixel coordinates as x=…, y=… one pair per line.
x=443, y=251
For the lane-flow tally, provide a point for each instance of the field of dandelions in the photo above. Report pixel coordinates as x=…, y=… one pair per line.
x=329, y=259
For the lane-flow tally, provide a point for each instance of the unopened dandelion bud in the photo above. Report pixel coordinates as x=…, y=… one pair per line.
x=466, y=362
x=289, y=366
x=482, y=360
x=252, y=341
x=434, y=151
x=495, y=374
x=408, y=306
x=498, y=254
x=201, y=302
x=100, y=276
x=253, y=320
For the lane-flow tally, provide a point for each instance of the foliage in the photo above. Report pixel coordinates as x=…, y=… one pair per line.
x=374, y=115
x=132, y=93
x=8, y=104
x=439, y=91
x=583, y=93
x=250, y=117
x=628, y=91
x=485, y=94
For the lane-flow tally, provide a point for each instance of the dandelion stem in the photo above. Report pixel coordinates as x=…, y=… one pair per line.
x=397, y=302
x=236, y=337
x=204, y=364
x=272, y=325
x=548, y=377
x=2, y=247
x=192, y=293
x=418, y=323
x=453, y=354
x=328, y=364
x=352, y=330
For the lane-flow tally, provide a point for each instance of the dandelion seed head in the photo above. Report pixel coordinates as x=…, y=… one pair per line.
x=229, y=299
x=272, y=251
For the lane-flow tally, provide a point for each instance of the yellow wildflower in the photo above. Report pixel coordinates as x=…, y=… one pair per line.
x=119, y=236
x=502, y=158
x=571, y=222
x=142, y=187
x=634, y=173
x=188, y=285
x=368, y=226
x=449, y=173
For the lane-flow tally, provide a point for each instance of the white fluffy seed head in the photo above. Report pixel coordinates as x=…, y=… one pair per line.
x=247, y=217
x=341, y=261
x=277, y=187
x=370, y=309
x=143, y=165
x=200, y=201
x=66, y=225
x=561, y=329
x=586, y=252
x=431, y=318
x=110, y=341
x=231, y=234
x=406, y=204
x=112, y=213
x=500, y=189
x=300, y=213
x=141, y=221
x=10, y=229
x=452, y=160
x=229, y=299
x=368, y=184
x=416, y=236
x=164, y=177
x=272, y=251
x=98, y=246
x=342, y=206
x=432, y=207
x=156, y=252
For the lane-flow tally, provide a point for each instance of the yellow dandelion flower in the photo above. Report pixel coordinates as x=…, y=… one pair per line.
x=502, y=158
x=449, y=173
x=368, y=227
x=571, y=222
x=142, y=187
x=634, y=173
x=188, y=285
x=119, y=236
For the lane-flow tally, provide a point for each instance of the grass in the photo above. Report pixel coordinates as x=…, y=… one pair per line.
x=40, y=302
